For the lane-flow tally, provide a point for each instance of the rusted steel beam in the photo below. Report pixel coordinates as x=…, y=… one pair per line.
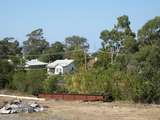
x=72, y=97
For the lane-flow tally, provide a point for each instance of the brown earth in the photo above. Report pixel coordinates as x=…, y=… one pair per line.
x=62, y=110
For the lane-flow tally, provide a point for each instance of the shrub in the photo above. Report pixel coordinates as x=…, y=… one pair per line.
x=35, y=80
x=30, y=81
x=51, y=84
x=6, y=72
x=19, y=81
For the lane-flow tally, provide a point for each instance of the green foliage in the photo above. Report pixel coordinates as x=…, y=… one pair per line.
x=76, y=42
x=120, y=39
x=9, y=58
x=19, y=81
x=78, y=47
x=30, y=81
x=78, y=57
x=106, y=82
x=9, y=47
x=127, y=66
x=119, y=32
x=35, y=45
x=123, y=21
x=135, y=72
x=150, y=32
x=50, y=84
x=35, y=79
x=148, y=70
x=130, y=45
x=6, y=72
x=55, y=52
x=103, y=59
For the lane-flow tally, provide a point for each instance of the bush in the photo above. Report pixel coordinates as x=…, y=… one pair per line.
x=19, y=81
x=6, y=72
x=50, y=84
x=35, y=80
x=30, y=81
x=112, y=83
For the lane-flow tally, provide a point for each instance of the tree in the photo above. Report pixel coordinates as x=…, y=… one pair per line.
x=56, y=51
x=9, y=58
x=76, y=42
x=6, y=72
x=130, y=45
x=50, y=84
x=147, y=73
x=30, y=81
x=19, y=81
x=103, y=59
x=76, y=48
x=9, y=47
x=150, y=32
x=114, y=40
x=35, y=45
x=34, y=79
x=123, y=25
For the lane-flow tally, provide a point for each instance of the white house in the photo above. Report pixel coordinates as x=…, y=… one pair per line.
x=61, y=67
x=35, y=64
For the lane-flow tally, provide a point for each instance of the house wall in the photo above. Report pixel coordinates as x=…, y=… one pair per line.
x=58, y=70
x=51, y=71
x=36, y=67
x=68, y=68
x=61, y=70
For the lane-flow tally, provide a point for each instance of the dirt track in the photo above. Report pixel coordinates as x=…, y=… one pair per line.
x=60, y=110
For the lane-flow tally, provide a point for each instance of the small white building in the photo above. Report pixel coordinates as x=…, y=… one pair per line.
x=60, y=67
x=35, y=64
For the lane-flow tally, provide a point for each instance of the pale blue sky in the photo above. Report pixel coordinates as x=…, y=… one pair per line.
x=62, y=18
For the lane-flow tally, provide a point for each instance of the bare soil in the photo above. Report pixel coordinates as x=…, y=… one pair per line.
x=62, y=110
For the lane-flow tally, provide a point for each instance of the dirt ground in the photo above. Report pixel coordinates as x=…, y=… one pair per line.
x=62, y=110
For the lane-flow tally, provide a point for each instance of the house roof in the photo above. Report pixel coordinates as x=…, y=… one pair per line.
x=34, y=62
x=62, y=63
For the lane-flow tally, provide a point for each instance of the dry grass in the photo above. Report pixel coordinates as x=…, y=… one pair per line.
x=61, y=110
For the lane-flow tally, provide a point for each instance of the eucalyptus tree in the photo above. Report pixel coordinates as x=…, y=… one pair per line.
x=35, y=45
x=76, y=47
x=114, y=41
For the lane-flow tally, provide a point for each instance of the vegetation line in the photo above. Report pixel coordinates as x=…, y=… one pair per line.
x=126, y=67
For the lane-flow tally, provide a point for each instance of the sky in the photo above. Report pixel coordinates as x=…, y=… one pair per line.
x=62, y=18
